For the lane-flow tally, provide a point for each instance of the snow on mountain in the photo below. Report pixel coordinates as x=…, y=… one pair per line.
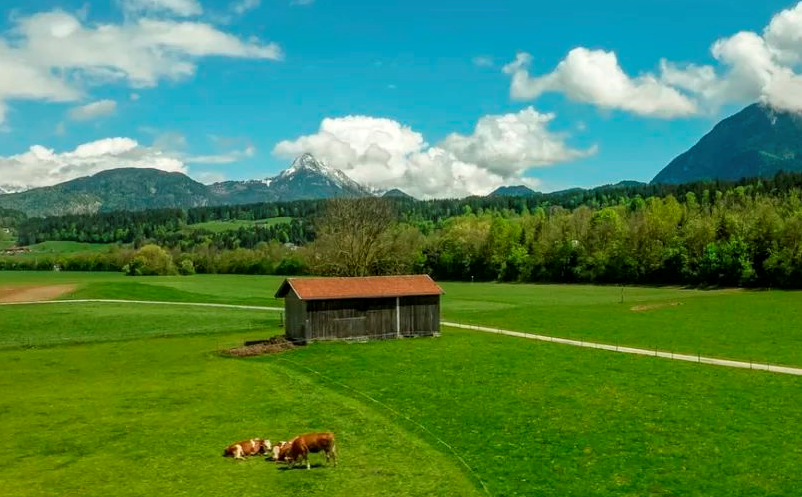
x=306, y=163
x=13, y=189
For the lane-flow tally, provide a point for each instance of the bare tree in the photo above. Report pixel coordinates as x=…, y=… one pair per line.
x=361, y=237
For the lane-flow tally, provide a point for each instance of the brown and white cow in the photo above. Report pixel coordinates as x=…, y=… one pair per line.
x=298, y=449
x=280, y=451
x=250, y=447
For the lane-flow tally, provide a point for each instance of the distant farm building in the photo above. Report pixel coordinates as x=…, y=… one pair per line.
x=372, y=307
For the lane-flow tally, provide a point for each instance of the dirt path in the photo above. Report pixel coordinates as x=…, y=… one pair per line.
x=33, y=293
x=773, y=368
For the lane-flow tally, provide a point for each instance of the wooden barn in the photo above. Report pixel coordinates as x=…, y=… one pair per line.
x=360, y=308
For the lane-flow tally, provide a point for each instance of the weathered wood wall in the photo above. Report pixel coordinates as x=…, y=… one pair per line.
x=420, y=315
x=294, y=317
x=366, y=318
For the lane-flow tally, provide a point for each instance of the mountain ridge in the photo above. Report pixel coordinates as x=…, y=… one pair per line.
x=757, y=141
x=146, y=188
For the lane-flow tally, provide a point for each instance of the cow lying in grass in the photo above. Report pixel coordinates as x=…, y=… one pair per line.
x=250, y=447
x=298, y=449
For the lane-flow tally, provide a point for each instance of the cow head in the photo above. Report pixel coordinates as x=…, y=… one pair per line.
x=265, y=447
x=281, y=450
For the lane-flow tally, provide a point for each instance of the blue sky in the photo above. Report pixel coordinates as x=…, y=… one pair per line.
x=414, y=77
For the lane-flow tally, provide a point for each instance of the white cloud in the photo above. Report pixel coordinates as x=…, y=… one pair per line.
x=509, y=144
x=301, y=2
x=224, y=158
x=595, y=77
x=21, y=80
x=483, y=61
x=209, y=177
x=41, y=166
x=750, y=66
x=93, y=110
x=244, y=6
x=174, y=144
x=134, y=97
x=182, y=8
x=54, y=56
x=383, y=153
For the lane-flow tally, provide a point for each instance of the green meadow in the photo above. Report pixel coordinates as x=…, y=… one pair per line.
x=235, y=224
x=125, y=399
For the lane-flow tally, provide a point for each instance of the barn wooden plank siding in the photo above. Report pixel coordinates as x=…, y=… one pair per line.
x=372, y=307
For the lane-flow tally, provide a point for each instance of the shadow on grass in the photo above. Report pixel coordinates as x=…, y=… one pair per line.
x=300, y=466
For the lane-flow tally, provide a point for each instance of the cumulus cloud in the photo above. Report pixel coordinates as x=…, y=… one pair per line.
x=595, y=77
x=750, y=66
x=93, y=110
x=22, y=80
x=182, y=8
x=510, y=143
x=41, y=166
x=384, y=153
x=54, y=56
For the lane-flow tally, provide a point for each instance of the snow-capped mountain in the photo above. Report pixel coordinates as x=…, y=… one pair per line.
x=306, y=178
x=137, y=189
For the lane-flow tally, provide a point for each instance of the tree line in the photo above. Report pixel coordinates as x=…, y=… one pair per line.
x=744, y=234
x=155, y=225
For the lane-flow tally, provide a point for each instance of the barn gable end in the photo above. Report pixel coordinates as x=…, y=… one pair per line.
x=365, y=307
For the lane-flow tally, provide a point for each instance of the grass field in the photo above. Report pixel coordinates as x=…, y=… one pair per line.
x=79, y=323
x=235, y=224
x=744, y=325
x=761, y=326
x=69, y=247
x=151, y=414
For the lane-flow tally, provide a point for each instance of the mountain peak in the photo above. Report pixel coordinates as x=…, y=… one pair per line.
x=758, y=141
x=307, y=161
x=308, y=177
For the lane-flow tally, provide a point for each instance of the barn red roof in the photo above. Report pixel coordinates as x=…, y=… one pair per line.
x=359, y=288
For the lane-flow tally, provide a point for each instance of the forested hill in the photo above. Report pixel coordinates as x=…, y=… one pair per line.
x=113, y=190
x=757, y=142
x=133, y=189
x=168, y=226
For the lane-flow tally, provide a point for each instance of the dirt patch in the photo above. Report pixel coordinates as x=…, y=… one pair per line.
x=651, y=307
x=33, y=293
x=274, y=345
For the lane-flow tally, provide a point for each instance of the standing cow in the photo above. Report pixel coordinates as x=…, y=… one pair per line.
x=298, y=449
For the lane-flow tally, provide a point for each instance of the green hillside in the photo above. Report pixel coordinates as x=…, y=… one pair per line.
x=756, y=142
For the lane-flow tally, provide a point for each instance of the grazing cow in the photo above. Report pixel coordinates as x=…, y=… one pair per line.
x=280, y=451
x=247, y=448
x=300, y=447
